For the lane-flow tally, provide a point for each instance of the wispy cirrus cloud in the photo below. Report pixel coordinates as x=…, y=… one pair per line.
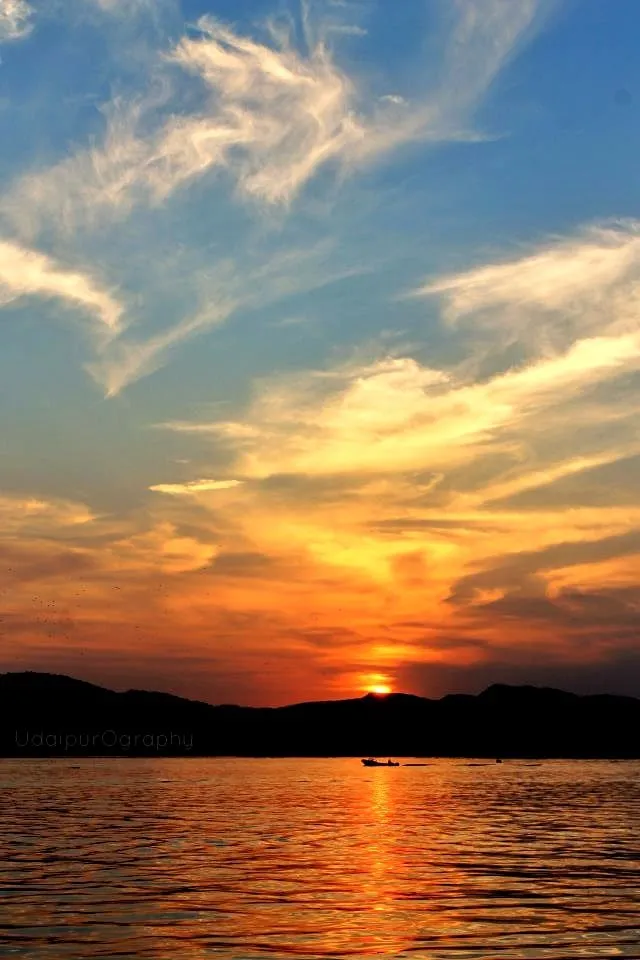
x=25, y=272
x=397, y=415
x=15, y=19
x=436, y=458
x=267, y=113
x=124, y=7
x=194, y=486
x=483, y=36
x=327, y=519
x=265, y=278
x=272, y=115
x=588, y=283
x=125, y=360
x=285, y=115
x=269, y=119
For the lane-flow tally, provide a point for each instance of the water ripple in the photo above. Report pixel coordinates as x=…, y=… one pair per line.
x=245, y=859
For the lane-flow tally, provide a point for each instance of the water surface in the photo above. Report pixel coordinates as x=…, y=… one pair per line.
x=243, y=859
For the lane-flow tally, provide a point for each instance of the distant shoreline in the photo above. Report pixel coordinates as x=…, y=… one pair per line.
x=429, y=761
x=45, y=715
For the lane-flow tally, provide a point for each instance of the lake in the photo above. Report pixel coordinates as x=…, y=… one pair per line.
x=234, y=858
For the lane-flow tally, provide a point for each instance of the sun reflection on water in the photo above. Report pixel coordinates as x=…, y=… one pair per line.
x=319, y=858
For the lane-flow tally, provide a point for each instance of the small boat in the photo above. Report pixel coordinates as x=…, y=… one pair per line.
x=379, y=763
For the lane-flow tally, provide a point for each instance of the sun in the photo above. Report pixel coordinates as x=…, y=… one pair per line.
x=377, y=684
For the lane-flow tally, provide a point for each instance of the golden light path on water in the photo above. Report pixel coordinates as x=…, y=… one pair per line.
x=243, y=859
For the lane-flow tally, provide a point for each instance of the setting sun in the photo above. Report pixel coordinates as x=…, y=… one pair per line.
x=380, y=689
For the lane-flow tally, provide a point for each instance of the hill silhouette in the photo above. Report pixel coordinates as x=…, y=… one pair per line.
x=49, y=715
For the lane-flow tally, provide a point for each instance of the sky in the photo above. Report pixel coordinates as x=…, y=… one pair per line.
x=320, y=345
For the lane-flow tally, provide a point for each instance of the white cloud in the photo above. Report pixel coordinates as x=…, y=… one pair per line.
x=397, y=415
x=484, y=36
x=194, y=487
x=286, y=115
x=223, y=291
x=123, y=362
x=555, y=277
x=123, y=6
x=584, y=285
x=26, y=272
x=15, y=19
x=271, y=118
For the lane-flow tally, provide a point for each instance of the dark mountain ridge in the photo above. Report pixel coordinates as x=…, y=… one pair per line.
x=50, y=715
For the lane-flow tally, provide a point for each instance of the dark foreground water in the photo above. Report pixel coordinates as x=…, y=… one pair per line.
x=179, y=859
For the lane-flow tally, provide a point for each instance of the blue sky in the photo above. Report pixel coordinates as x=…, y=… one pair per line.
x=322, y=316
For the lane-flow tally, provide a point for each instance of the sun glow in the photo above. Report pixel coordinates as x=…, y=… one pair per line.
x=379, y=689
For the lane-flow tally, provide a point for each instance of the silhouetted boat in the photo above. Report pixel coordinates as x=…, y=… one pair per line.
x=379, y=763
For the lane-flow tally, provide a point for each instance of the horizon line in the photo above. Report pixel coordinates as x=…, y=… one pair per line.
x=366, y=695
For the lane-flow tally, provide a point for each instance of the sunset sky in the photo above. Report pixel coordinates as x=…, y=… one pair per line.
x=320, y=345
